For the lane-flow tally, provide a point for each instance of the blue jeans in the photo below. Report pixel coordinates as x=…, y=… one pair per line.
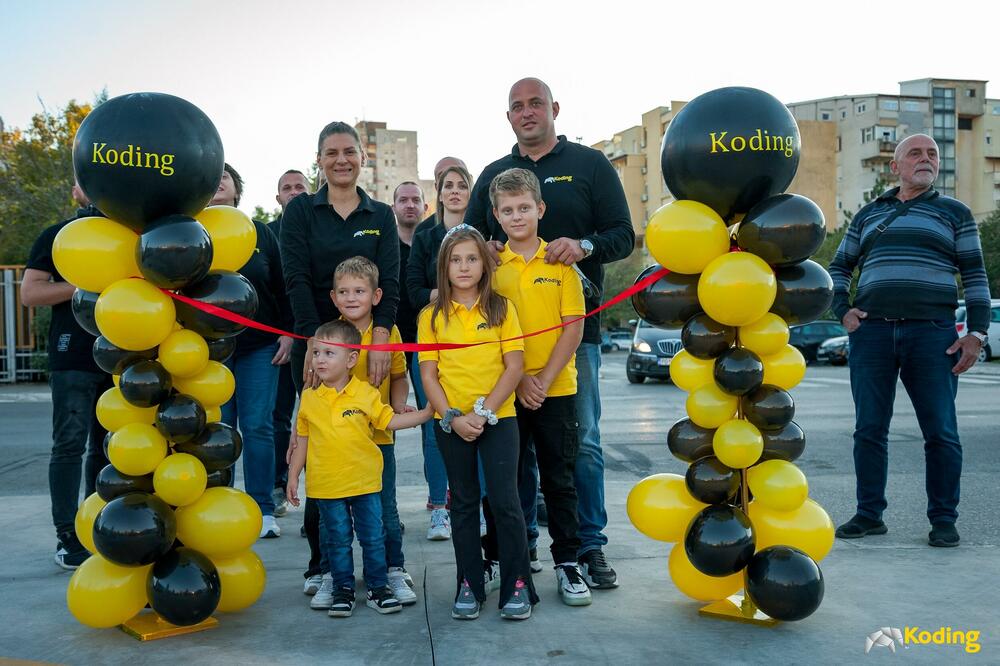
x=339, y=520
x=434, y=471
x=914, y=352
x=392, y=535
x=251, y=409
x=590, y=459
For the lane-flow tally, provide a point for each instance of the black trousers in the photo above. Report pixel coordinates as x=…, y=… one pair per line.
x=284, y=405
x=310, y=518
x=497, y=447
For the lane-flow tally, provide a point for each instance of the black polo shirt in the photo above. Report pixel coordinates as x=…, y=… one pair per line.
x=315, y=239
x=421, y=272
x=584, y=199
x=263, y=270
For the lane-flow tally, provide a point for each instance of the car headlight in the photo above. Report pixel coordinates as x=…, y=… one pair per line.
x=642, y=346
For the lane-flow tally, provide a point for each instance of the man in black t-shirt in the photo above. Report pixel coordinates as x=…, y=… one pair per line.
x=76, y=384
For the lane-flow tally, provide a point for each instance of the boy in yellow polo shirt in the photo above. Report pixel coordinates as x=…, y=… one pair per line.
x=545, y=295
x=334, y=429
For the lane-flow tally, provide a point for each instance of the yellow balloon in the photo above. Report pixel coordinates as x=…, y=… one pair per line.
x=137, y=449
x=222, y=522
x=102, y=594
x=84, y=522
x=768, y=335
x=180, y=479
x=737, y=288
x=233, y=235
x=684, y=236
x=689, y=372
x=807, y=528
x=778, y=485
x=184, y=353
x=697, y=585
x=115, y=412
x=212, y=387
x=709, y=406
x=135, y=315
x=737, y=444
x=661, y=507
x=242, y=577
x=213, y=414
x=784, y=369
x=115, y=379
x=93, y=252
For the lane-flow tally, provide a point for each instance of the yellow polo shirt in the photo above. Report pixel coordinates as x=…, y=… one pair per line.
x=342, y=459
x=470, y=373
x=543, y=294
x=397, y=366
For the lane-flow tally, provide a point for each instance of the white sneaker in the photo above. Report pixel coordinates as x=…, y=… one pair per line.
x=313, y=583
x=323, y=598
x=573, y=589
x=491, y=577
x=440, y=529
x=400, y=583
x=269, y=528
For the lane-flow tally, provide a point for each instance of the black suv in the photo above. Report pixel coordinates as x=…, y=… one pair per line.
x=651, y=352
x=808, y=337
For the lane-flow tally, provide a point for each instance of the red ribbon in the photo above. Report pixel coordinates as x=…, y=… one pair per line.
x=411, y=346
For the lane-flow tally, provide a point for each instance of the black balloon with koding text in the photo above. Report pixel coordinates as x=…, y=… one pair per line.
x=221, y=350
x=174, y=251
x=180, y=418
x=688, y=441
x=711, y=482
x=224, y=289
x=144, y=155
x=730, y=149
x=184, y=587
x=217, y=446
x=738, y=371
x=805, y=292
x=670, y=301
x=135, y=529
x=114, y=360
x=145, y=384
x=783, y=230
x=83, y=304
x=785, y=443
x=719, y=540
x=220, y=477
x=706, y=338
x=111, y=483
x=768, y=407
x=785, y=583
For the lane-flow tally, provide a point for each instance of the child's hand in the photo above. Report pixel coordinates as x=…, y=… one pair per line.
x=404, y=409
x=466, y=428
x=530, y=392
x=292, y=491
x=427, y=412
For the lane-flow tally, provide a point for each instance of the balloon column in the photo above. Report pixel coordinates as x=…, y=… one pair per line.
x=737, y=249
x=159, y=531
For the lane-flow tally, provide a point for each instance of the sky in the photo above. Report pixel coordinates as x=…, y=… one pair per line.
x=271, y=75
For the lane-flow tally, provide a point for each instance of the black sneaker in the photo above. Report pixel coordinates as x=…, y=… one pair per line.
x=859, y=526
x=596, y=571
x=70, y=553
x=343, y=603
x=943, y=535
x=384, y=601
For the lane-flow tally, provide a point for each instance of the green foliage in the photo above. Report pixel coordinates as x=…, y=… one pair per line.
x=989, y=235
x=880, y=186
x=618, y=277
x=264, y=216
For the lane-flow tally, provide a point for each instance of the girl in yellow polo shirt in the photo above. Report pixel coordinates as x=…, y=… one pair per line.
x=472, y=392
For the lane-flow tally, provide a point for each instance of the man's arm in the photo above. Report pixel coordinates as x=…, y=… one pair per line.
x=614, y=236
x=842, y=267
x=38, y=289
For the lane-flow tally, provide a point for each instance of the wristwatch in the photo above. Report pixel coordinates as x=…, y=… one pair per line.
x=447, y=417
x=587, y=247
x=488, y=414
x=982, y=337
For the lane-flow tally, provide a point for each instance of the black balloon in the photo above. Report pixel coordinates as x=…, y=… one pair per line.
x=730, y=149
x=220, y=477
x=180, y=418
x=224, y=289
x=141, y=156
x=785, y=583
x=783, y=230
x=83, y=304
x=145, y=384
x=768, y=408
x=805, y=292
x=107, y=442
x=221, y=350
x=689, y=441
x=135, y=529
x=706, y=338
x=114, y=360
x=711, y=482
x=184, y=587
x=670, y=301
x=174, y=251
x=111, y=483
x=738, y=371
x=719, y=540
x=217, y=446
x=786, y=443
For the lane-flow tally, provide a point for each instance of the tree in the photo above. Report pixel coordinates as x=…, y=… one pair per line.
x=618, y=277
x=878, y=188
x=264, y=216
x=989, y=236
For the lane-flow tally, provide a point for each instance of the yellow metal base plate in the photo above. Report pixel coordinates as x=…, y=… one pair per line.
x=149, y=626
x=737, y=609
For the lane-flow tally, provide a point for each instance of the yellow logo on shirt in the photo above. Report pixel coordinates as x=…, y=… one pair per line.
x=558, y=179
x=483, y=326
x=367, y=232
x=545, y=280
x=351, y=412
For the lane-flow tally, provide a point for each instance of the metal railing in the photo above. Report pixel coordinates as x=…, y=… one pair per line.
x=20, y=345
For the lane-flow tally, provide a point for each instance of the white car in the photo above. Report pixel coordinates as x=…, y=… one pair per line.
x=986, y=353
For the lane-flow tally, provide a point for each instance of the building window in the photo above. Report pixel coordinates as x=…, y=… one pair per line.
x=970, y=92
x=867, y=134
x=843, y=113
x=996, y=110
x=965, y=123
x=825, y=115
x=860, y=108
x=890, y=105
x=911, y=106
x=838, y=143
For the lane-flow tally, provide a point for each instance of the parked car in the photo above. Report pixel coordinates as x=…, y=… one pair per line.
x=834, y=351
x=651, y=352
x=616, y=340
x=986, y=353
x=808, y=337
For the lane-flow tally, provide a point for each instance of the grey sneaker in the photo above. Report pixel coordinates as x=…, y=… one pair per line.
x=324, y=595
x=466, y=605
x=440, y=529
x=536, y=566
x=343, y=603
x=573, y=589
x=491, y=577
x=312, y=585
x=280, y=502
x=518, y=607
x=399, y=583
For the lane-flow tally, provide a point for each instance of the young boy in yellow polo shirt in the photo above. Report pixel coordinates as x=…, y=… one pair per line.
x=334, y=430
x=545, y=295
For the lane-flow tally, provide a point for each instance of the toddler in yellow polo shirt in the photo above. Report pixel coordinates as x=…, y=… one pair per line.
x=334, y=435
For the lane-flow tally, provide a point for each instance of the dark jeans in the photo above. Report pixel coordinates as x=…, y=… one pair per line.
x=284, y=405
x=497, y=447
x=340, y=520
x=310, y=517
x=74, y=422
x=590, y=458
x=914, y=352
x=434, y=472
x=389, y=511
